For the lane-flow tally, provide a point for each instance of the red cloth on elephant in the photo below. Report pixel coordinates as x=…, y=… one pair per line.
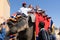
x=47, y=24
x=39, y=18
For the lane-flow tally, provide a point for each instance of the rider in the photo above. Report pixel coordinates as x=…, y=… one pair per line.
x=24, y=10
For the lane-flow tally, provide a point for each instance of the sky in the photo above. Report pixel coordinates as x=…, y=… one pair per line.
x=52, y=7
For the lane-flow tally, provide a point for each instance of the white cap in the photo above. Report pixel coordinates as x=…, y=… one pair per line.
x=39, y=9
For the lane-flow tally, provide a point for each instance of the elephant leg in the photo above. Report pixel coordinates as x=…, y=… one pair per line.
x=29, y=33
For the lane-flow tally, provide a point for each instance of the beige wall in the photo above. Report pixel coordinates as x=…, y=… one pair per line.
x=4, y=10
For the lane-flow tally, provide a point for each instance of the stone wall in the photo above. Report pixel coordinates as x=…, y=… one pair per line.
x=4, y=10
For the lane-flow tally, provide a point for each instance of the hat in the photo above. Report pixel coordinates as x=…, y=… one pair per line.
x=48, y=17
x=39, y=9
x=43, y=11
x=24, y=3
x=45, y=15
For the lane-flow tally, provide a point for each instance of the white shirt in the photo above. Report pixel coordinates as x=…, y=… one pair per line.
x=24, y=10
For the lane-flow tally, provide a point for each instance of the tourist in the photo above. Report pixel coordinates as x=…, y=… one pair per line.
x=2, y=32
x=43, y=35
x=52, y=36
x=24, y=10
